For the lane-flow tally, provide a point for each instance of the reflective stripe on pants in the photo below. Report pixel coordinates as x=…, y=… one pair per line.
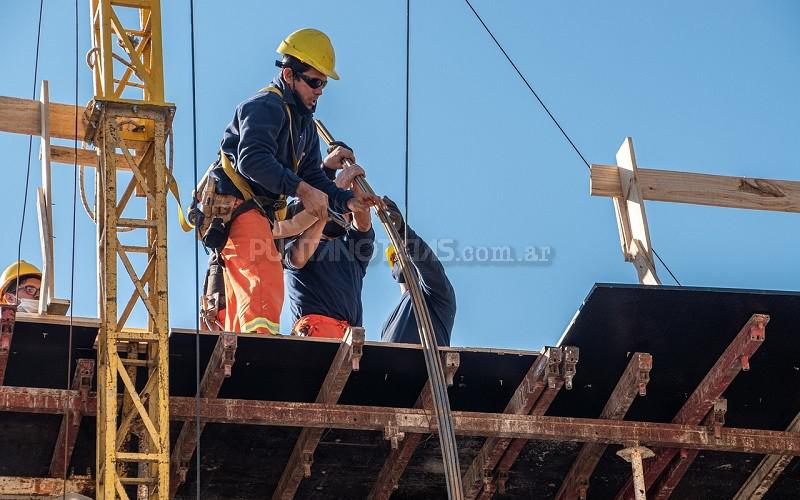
x=253, y=276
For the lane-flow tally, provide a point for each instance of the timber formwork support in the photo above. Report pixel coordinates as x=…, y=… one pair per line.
x=705, y=399
x=8, y=317
x=401, y=453
x=633, y=382
x=68, y=433
x=299, y=465
x=218, y=369
x=371, y=418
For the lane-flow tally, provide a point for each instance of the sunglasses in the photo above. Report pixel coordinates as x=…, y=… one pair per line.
x=314, y=83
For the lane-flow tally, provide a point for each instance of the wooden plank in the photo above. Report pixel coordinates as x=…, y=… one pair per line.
x=46, y=246
x=767, y=471
x=631, y=217
x=632, y=383
x=46, y=231
x=702, y=189
x=22, y=116
x=299, y=464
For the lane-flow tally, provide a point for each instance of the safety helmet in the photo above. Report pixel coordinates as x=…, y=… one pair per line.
x=391, y=253
x=23, y=270
x=312, y=47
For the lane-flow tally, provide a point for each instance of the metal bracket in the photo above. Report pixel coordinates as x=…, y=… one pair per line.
x=553, y=370
x=229, y=345
x=308, y=460
x=502, y=481
x=82, y=379
x=452, y=360
x=357, y=346
x=715, y=419
x=392, y=434
x=571, y=355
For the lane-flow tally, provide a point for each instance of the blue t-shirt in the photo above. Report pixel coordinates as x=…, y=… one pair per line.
x=330, y=282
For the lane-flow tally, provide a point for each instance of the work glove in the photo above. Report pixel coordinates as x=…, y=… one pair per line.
x=395, y=216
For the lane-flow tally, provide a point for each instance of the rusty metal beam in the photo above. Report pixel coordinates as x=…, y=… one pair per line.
x=68, y=433
x=318, y=415
x=218, y=369
x=27, y=487
x=8, y=317
x=569, y=360
x=662, y=489
x=734, y=359
x=299, y=464
x=767, y=471
x=543, y=371
x=633, y=382
x=399, y=456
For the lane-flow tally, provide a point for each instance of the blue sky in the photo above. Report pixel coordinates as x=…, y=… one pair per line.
x=702, y=87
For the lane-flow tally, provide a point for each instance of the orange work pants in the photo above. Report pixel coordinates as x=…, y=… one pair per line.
x=317, y=325
x=253, y=276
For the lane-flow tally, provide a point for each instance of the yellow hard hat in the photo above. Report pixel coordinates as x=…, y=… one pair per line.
x=23, y=270
x=312, y=47
x=391, y=253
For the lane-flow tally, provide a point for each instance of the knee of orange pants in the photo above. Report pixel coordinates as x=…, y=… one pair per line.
x=253, y=276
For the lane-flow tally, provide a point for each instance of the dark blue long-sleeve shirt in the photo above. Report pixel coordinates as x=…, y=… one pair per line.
x=401, y=326
x=257, y=142
x=330, y=283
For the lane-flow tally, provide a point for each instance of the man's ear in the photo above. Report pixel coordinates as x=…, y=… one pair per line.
x=9, y=298
x=287, y=74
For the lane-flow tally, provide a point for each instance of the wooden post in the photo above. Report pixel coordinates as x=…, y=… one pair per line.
x=631, y=218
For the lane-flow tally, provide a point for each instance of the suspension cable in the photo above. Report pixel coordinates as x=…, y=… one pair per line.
x=67, y=426
x=408, y=87
x=547, y=110
x=196, y=266
x=30, y=142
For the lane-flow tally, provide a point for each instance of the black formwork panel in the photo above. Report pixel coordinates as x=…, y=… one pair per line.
x=686, y=330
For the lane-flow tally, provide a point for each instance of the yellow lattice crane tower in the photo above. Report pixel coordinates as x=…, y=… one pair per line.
x=130, y=134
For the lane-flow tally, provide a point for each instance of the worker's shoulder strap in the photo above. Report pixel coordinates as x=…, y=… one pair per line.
x=275, y=90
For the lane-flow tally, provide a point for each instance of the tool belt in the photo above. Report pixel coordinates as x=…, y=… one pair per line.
x=212, y=213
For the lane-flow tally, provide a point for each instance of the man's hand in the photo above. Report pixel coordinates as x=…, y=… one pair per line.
x=348, y=175
x=314, y=200
x=362, y=201
x=395, y=216
x=336, y=157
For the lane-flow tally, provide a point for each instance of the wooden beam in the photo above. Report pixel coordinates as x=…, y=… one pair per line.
x=702, y=189
x=564, y=379
x=299, y=464
x=217, y=370
x=734, y=359
x=27, y=487
x=633, y=382
x=23, y=116
x=767, y=471
x=407, y=420
x=68, y=433
x=399, y=456
x=631, y=217
x=544, y=367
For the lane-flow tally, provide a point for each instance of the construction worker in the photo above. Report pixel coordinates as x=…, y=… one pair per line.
x=20, y=284
x=270, y=150
x=324, y=288
x=401, y=326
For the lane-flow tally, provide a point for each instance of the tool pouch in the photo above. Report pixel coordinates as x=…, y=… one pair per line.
x=211, y=213
x=212, y=301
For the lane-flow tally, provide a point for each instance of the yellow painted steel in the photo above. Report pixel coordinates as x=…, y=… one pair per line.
x=129, y=114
